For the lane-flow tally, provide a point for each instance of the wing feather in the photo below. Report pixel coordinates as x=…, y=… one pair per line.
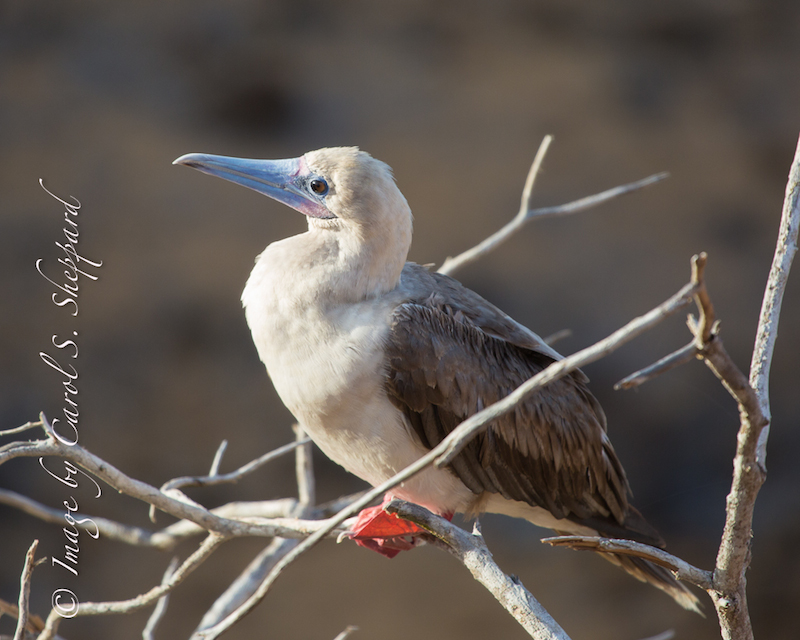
x=447, y=361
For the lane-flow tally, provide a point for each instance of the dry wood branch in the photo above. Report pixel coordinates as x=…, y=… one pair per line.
x=234, y=476
x=785, y=251
x=246, y=583
x=161, y=606
x=249, y=580
x=705, y=329
x=34, y=624
x=727, y=586
x=209, y=545
x=346, y=633
x=557, y=336
x=25, y=427
x=165, y=539
x=673, y=360
x=749, y=464
x=526, y=213
x=304, y=469
x=473, y=553
x=25, y=592
x=682, y=569
x=208, y=520
x=217, y=461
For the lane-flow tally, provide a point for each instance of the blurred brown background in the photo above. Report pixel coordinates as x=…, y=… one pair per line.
x=98, y=98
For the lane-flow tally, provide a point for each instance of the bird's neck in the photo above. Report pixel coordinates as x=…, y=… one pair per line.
x=324, y=268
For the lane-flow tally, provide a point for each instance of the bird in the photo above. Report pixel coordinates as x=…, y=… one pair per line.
x=379, y=359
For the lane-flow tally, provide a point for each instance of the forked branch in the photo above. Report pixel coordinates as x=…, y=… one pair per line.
x=527, y=213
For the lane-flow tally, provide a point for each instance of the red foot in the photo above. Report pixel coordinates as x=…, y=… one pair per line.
x=384, y=532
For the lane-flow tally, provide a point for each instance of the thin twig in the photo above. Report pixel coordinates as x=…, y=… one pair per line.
x=451, y=265
x=209, y=545
x=773, y=298
x=208, y=520
x=35, y=623
x=675, y=359
x=558, y=335
x=25, y=592
x=165, y=539
x=304, y=469
x=249, y=580
x=233, y=476
x=217, y=461
x=703, y=331
x=246, y=583
x=25, y=427
x=682, y=569
x=161, y=606
x=346, y=633
x=526, y=214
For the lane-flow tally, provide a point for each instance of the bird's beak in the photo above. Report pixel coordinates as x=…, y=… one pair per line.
x=282, y=180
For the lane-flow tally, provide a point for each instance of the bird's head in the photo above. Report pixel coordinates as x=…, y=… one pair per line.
x=338, y=189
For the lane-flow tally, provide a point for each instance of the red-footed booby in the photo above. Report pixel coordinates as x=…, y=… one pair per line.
x=379, y=359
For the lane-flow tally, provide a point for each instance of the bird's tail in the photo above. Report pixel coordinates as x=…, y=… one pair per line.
x=636, y=528
x=658, y=576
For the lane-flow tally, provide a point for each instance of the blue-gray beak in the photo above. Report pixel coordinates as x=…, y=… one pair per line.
x=287, y=181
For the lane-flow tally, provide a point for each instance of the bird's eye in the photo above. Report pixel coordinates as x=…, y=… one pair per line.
x=319, y=186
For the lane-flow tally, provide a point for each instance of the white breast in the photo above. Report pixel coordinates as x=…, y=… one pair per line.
x=326, y=361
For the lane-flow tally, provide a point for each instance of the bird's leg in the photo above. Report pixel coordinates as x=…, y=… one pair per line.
x=384, y=532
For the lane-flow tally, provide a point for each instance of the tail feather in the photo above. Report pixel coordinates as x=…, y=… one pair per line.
x=638, y=529
x=635, y=528
x=657, y=576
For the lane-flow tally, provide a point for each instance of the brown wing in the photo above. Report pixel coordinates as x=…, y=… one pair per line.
x=552, y=451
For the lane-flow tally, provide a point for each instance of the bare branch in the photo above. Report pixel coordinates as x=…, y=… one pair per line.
x=165, y=539
x=233, y=476
x=209, y=545
x=773, y=298
x=526, y=214
x=675, y=359
x=451, y=265
x=306, y=490
x=25, y=427
x=246, y=583
x=555, y=337
x=749, y=468
x=346, y=633
x=215, y=463
x=25, y=592
x=703, y=332
x=473, y=553
x=208, y=520
x=682, y=569
x=161, y=606
x=107, y=528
